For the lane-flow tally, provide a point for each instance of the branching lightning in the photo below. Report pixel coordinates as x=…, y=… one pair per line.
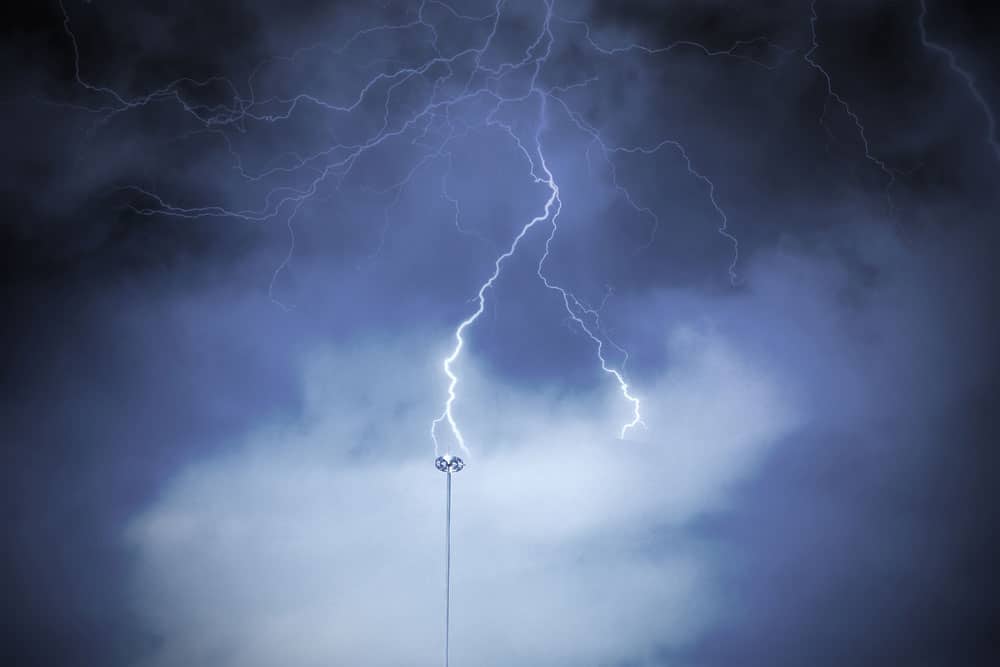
x=553, y=201
x=456, y=79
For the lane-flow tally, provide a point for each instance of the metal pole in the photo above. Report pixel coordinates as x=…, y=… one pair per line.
x=447, y=464
x=447, y=571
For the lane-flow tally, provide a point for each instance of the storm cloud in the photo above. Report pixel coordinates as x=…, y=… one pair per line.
x=218, y=394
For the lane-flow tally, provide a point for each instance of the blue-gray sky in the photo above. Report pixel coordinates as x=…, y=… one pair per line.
x=239, y=239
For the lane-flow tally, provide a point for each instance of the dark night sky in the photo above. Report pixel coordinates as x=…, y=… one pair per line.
x=211, y=461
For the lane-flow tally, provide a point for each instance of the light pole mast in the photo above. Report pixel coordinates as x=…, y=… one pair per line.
x=447, y=464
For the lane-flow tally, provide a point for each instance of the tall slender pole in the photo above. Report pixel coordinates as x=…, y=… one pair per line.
x=447, y=464
x=447, y=571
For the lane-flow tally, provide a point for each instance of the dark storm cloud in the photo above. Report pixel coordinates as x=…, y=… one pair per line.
x=182, y=456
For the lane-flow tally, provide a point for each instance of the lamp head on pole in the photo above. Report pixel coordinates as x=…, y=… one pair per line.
x=449, y=463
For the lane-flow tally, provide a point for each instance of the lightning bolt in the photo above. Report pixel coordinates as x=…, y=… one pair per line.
x=457, y=78
x=553, y=206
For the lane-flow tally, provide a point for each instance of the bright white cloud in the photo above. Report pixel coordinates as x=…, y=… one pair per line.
x=322, y=544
